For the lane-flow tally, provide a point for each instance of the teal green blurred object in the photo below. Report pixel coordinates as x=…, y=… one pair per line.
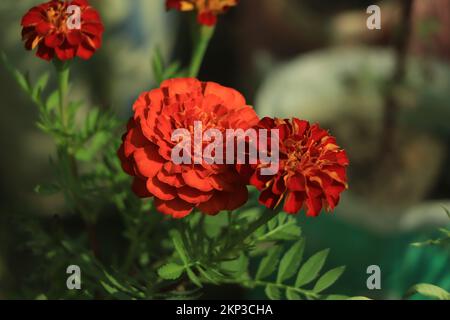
x=402, y=265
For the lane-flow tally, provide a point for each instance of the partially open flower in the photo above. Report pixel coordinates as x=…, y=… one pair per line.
x=312, y=169
x=208, y=10
x=65, y=29
x=147, y=149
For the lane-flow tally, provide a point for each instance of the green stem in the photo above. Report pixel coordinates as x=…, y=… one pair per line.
x=202, y=39
x=63, y=73
x=265, y=218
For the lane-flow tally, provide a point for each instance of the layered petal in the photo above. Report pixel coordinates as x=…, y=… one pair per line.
x=146, y=151
x=312, y=171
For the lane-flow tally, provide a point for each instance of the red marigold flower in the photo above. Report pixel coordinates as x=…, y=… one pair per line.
x=312, y=169
x=147, y=147
x=46, y=28
x=207, y=9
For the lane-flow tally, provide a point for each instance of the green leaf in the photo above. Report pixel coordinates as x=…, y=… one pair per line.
x=269, y=263
x=328, y=279
x=336, y=297
x=52, y=101
x=292, y=294
x=209, y=274
x=18, y=76
x=310, y=270
x=97, y=142
x=39, y=87
x=170, y=271
x=273, y=292
x=358, y=298
x=272, y=224
x=193, y=277
x=288, y=230
x=429, y=290
x=92, y=120
x=447, y=211
x=291, y=261
x=237, y=266
x=158, y=66
x=179, y=246
x=172, y=70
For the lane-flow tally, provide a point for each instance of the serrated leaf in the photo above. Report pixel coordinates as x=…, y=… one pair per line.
x=170, y=271
x=269, y=263
x=311, y=268
x=273, y=292
x=292, y=294
x=291, y=261
x=429, y=290
x=328, y=279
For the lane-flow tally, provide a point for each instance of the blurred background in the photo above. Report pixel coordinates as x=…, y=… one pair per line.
x=385, y=94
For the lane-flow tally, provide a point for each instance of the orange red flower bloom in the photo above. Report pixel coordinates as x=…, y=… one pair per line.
x=45, y=27
x=208, y=10
x=146, y=152
x=312, y=169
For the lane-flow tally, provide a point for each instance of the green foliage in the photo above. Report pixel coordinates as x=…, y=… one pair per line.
x=425, y=289
x=157, y=259
x=162, y=72
x=428, y=290
x=442, y=242
x=171, y=271
x=204, y=260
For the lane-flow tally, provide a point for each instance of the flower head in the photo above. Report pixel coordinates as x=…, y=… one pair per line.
x=312, y=169
x=146, y=152
x=65, y=29
x=207, y=9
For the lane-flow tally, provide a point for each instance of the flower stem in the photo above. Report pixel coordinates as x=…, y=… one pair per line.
x=265, y=218
x=63, y=73
x=203, y=35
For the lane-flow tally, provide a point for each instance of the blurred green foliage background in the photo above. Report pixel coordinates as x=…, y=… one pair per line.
x=311, y=59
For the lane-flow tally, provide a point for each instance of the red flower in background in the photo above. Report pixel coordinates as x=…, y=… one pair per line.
x=207, y=9
x=45, y=27
x=147, y=146
x=312, y=169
